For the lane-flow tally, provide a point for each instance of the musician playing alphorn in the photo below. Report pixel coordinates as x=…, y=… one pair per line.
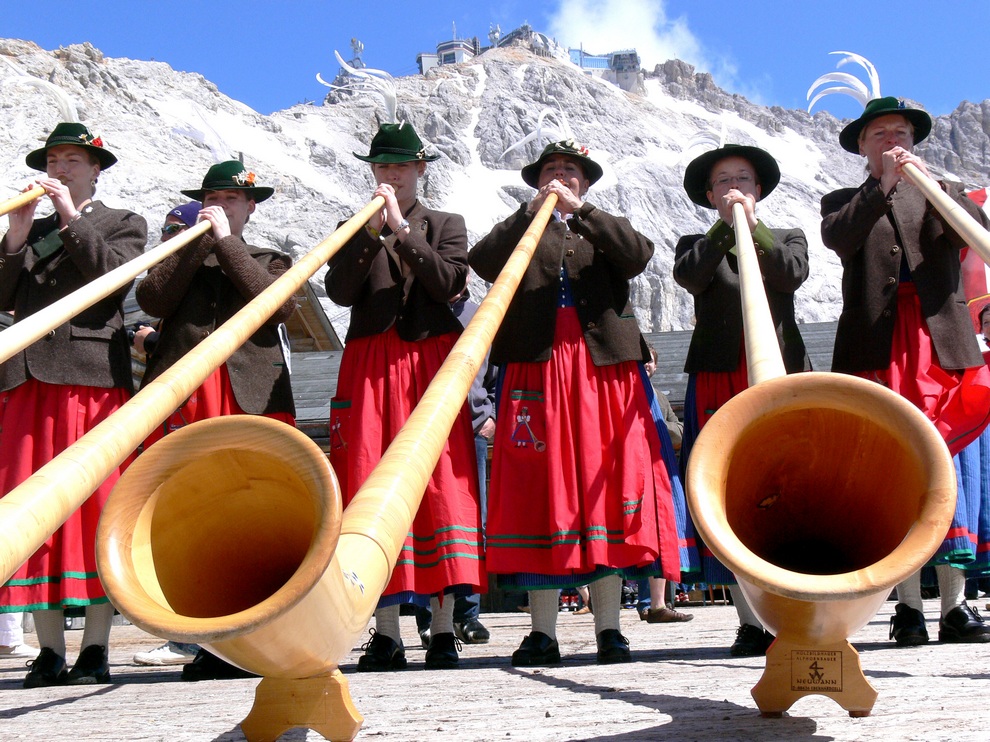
x=197, y=289
x=397, y=275
x=905, y=324
x=580, y=490
x=706, y=265
x=57, y=389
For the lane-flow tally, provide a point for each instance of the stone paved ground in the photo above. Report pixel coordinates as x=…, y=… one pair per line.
x=682, y=685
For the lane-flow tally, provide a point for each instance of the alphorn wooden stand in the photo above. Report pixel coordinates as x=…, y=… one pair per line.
x=322, y=704
x=820, y=492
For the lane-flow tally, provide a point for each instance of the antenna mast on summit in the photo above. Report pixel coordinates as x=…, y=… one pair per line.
x=357, y=49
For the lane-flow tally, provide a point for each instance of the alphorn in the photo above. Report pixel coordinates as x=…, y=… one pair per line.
x=35, y=326
x=820, y=492
x=21, y=199
x=34, y=510
x=969, y=229
x=225, y=533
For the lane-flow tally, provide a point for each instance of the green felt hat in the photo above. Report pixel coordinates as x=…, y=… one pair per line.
x=77, y=135
x=696, y=174
x=397, y=143
x=227, y=176
x=922, y=122
x=592, y=170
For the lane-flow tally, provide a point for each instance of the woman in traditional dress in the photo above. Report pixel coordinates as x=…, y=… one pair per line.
x=580, y=490
x=63, y=385
x=904, y=324
x=398, y=275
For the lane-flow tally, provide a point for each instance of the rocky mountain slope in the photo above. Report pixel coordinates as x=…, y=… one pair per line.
x=168, y=127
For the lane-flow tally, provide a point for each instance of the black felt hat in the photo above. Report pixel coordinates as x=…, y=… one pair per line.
x=697, y=172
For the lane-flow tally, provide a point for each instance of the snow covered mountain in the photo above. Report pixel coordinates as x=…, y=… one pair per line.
x=168, y=127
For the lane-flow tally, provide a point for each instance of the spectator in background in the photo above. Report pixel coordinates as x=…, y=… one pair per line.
x=177, y=221
x=653, y=590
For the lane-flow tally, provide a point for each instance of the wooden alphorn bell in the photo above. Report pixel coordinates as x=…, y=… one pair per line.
x=35, y=326
x=16, y=202
x=821, y=492
x=228, y=533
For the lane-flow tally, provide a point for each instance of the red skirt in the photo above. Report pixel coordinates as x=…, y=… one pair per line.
x=578, y=479
x=957, y=402
x=37, y=422
x=713, y=389
x=215, y=398
x=381, y=379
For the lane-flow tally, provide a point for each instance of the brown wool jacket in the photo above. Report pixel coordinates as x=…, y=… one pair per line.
x=366, y=278
x=92, y=348
x=872, y=234
x=601, y=254
x=199, y=288
x=704, y=267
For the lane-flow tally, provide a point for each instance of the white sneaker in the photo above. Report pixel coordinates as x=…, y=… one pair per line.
x=18, y=650
x=166, y=654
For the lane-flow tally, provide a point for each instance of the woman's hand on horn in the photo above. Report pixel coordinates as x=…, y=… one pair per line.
x=217, y=218
x=738, y=197
x=894, y=160
x=390, y=213
x=567, y=201
x=61, y=198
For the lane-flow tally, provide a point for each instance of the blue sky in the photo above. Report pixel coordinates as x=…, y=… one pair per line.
x=267, y=53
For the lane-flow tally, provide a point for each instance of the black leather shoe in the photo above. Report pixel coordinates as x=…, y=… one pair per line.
x=536, y=650
x=381, y=654
x=48, y=668
x=442, y=654
x=472, y=631
x=963, y=625
x=907, y=626
x=207, y=666
x=91, y=667
x=613, y=647
x=751, y=641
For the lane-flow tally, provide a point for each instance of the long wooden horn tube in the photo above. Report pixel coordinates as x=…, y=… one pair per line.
x=153, y=547
x=21, y=199
x=820, y=492
x=34, y=327
x=971, y=230
x=763, y=357
x=35, y=509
